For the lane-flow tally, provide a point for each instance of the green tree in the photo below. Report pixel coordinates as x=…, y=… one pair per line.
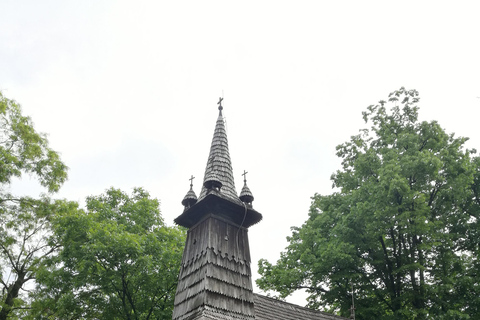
x=118, y=261
x=24, y=221
x=402, y=229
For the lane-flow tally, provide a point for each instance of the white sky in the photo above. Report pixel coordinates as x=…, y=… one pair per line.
x=127, y=90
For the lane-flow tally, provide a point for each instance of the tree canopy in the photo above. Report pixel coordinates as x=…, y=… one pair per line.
x=402, y=228
x=118, y=261
x=24, y=221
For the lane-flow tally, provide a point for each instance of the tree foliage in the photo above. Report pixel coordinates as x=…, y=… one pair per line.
x=24, y=221
x=403, y=229
x=23, y=150
x=115, y=260
x=118, y=261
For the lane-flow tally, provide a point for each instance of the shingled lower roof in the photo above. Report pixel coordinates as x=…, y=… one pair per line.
x=272, y=309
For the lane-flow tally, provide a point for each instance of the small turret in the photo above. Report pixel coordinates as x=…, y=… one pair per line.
x=246, y=195
x=190, y=198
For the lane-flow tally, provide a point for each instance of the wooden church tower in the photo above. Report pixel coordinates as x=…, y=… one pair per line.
x=215, y=277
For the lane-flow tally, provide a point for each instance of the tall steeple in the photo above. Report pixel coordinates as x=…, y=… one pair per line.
x=215, y=276
x=219, y=166
x=218, y=184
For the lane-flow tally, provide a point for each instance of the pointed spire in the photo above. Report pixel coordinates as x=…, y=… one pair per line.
x=190, y=198
x=218, y=196
x=218, y=173
x=246, y=195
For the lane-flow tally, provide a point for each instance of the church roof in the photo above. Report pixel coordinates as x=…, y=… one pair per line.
x=272, y=309
x=215, y=279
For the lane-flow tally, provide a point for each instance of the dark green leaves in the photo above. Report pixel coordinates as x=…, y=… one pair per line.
x=118, y=261
x=401, y=230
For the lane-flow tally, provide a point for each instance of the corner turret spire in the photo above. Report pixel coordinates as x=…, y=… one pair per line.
x=190, y=198
x=246, y=195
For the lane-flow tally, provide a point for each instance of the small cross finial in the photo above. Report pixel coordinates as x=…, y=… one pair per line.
x=244, y=174
x=220, y=103
x=191, y=181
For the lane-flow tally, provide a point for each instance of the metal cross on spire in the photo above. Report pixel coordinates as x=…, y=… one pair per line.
x=191, y=181
x=244, y=174
x=220, y=103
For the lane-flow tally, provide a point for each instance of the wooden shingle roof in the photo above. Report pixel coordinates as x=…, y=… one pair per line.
x=272, y=309
x=219, y=165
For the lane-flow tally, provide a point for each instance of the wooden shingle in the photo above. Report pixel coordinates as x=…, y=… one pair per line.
x=272, y=309
x=219, y=163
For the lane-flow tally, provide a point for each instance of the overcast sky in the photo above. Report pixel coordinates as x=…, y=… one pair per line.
x=127, y=90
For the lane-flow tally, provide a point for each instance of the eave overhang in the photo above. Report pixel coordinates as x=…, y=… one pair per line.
x=215, y=203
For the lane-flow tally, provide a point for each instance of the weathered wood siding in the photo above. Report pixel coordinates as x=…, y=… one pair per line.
x=215, y=275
